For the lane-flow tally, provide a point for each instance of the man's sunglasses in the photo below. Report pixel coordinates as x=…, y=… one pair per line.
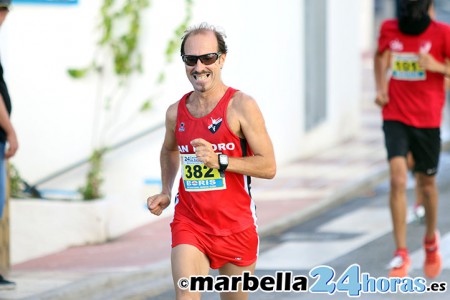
x=206, y=59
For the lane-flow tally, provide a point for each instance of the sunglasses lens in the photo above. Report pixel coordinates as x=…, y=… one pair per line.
x=190, y=60
x=208, y=59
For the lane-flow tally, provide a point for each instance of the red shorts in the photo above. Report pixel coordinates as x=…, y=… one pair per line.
x=240, y=249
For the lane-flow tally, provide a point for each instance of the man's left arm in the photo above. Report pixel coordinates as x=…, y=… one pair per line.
x=249, y=119
x=262, y=164
x=429, y=63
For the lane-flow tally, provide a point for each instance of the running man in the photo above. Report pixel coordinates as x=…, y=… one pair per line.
x=414, y=48
x=219, y=134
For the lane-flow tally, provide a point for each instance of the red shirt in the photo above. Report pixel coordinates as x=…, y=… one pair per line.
x=214, y=204
x=416, y=96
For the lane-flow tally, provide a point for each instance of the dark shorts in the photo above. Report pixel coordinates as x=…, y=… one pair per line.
x=240, y=249
x=424, y=144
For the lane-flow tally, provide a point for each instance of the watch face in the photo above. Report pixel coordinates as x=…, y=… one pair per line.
x=223, y=159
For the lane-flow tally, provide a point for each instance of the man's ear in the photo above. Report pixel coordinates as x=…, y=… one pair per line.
x=222, y=59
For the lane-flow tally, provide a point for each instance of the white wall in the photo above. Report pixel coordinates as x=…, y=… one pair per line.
x=366, y=28
x=344, y=70
x=347, y=40
x=54, y=114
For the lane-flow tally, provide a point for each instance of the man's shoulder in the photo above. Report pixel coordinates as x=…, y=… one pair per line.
x=441, y=24
x=172, y=111
x=243, y=103
x=441, y=27
x=241, y=98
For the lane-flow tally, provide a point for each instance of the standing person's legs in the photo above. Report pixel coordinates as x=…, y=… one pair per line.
x=4, y=284
x=2, y=179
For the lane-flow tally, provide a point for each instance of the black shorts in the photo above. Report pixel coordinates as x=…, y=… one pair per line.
x=424, y=144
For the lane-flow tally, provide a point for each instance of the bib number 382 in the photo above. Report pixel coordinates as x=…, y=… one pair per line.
x=198, y=177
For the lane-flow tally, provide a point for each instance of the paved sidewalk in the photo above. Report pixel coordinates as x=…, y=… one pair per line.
x=140, y=258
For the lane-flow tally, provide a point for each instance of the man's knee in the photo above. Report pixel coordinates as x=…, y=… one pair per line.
x=187, y=295
x=427, y=185
x=398, y=182
x=398, y=173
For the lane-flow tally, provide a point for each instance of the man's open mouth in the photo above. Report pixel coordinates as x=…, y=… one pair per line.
x=201, y=76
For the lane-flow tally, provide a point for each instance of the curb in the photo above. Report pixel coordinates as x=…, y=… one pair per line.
x=139, y=284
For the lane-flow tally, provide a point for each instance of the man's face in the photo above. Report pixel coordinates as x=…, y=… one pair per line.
x=203, y=77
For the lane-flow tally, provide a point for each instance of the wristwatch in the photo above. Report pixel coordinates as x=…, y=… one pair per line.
x=223, y=164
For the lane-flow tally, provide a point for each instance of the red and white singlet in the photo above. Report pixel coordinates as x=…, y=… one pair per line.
x=215, y=205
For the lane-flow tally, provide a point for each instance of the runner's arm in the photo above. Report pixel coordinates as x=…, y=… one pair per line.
x=170, y=156
x=381, y=67
x=429, y=63
x=252, y=126
x=169, y=160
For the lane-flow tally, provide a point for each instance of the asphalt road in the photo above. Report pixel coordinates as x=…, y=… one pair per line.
x=358, y=232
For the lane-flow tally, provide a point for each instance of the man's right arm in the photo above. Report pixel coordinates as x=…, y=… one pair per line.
x=381, y=66
x=170, y=162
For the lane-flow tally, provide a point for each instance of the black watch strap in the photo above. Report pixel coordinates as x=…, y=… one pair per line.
x=223, y=163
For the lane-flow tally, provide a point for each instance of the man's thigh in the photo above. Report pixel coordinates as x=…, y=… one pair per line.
x=187, y=260
x=239, y=249
x=396, y=139
x=230, y=269
x=426, y=149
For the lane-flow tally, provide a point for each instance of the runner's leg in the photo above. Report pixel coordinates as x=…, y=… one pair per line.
x=398, y=200
x=188, y=261
x=230, y=270
x=430, y=197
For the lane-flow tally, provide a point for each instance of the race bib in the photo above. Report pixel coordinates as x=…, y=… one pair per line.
x=405, y=66
x=199, y=178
